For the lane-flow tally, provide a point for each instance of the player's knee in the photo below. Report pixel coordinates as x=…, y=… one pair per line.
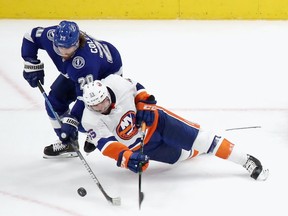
x=205, y=142
x=185, y=155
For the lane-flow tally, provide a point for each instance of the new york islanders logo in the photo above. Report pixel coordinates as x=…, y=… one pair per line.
x=126, y=128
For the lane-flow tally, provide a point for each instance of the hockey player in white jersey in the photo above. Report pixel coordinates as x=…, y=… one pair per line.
x=115, y=107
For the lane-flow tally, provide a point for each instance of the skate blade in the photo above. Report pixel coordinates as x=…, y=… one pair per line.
x=263, y=175
x=63, y=155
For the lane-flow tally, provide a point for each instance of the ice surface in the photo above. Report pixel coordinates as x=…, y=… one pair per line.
x=221, y=74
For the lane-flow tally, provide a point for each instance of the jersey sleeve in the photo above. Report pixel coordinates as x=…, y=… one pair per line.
x=112, y=147
x=109, y=146
x=102, y=137
x=29, y=48
x=36, y=39
x=141, y=93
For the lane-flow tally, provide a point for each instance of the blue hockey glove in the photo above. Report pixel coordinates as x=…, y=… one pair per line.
x=69, y=129
x=33, y=72
x=131, y=160
x=146, y=111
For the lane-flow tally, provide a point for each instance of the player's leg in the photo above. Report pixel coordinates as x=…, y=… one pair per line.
x=208, y=142
x=181, y=133
x=61, y=95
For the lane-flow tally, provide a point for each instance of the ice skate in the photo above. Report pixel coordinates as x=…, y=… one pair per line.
x=59, y=150
x=88, y=145
x=255, y=169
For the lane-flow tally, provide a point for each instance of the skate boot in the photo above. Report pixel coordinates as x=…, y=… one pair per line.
x=255, y=168
x=59, y=150
x=88, y=145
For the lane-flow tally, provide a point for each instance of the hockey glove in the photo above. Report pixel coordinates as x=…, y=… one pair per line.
x=132, y=160
x=145, y=111
x=69, y=129
x=33, y=72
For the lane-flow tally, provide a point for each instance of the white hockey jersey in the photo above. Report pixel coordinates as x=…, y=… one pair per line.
x=119, y=124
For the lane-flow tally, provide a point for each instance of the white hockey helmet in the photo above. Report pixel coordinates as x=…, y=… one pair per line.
x=94, y=93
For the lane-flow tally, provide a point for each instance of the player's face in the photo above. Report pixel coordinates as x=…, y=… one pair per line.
x=103, y=106
x=67, y=52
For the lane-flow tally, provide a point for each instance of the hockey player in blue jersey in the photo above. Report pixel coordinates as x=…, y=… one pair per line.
x=116, y=108
x=79, y=58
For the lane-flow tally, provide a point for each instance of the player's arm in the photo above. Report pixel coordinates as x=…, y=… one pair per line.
x=33, y=41
x=33, y=67
x=123, y=155
x=146, y=107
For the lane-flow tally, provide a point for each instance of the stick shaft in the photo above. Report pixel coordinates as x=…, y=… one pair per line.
x=115, y=201
x=141, y=194
x=242, y=128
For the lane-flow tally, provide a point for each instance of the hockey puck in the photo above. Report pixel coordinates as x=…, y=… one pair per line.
x=82, y=192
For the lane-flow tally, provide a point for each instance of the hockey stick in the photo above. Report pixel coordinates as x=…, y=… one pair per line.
x=113, y=201
x=241, y=128
x=141, y=194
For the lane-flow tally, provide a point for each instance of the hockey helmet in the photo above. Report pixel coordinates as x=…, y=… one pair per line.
x=95, y=92
x=66, y=34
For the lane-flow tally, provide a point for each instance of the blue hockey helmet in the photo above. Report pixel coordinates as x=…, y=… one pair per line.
x=66, y=34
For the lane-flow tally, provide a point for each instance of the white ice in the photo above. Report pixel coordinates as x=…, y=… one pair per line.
x=221, y=74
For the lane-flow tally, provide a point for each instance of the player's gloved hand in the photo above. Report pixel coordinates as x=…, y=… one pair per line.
x=69, y=129
x=146, y=111
x=131, y=160
x=33, y=72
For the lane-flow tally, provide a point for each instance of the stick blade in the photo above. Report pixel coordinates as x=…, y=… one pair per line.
x=141, y=197
x=116, y=201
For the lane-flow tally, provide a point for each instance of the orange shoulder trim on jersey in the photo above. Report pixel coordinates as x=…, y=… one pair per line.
x=113, y=150
x=141, y=96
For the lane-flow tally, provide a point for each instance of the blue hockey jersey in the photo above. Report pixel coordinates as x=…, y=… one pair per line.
x=96, y=59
